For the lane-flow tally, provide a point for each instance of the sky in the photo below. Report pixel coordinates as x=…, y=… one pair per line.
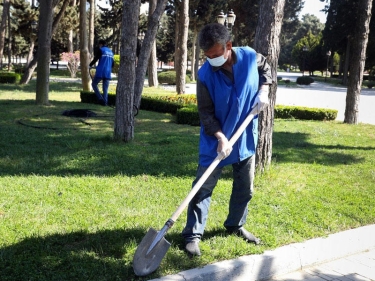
x=314, y=7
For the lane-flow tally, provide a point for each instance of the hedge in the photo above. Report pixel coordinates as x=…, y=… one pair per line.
x=305, y=113
x=159, y=105
x=90, y=97
x=186, y=111
x=9, y=77
x=188, y=115
x=169, y=77
x=304, y=80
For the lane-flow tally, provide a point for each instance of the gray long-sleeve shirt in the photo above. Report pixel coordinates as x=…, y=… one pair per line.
x=206, y=107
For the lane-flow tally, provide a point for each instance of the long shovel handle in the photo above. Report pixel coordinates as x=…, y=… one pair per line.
x=213, y=165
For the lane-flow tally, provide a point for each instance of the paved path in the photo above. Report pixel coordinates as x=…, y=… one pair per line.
x=347, y=255
x=355, y=267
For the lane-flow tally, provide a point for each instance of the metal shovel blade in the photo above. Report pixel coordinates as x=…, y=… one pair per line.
x=143, y=263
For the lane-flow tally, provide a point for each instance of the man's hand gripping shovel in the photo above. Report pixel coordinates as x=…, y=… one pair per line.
x=154, y=246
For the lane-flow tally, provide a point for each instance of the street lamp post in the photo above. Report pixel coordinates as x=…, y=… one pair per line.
x=304, y=49
x=227, y=20
x=328, y=55
x=141, y=37
x=34, y=25
x=115, y=47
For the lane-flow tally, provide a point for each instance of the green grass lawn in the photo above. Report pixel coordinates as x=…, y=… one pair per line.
x=74, y=204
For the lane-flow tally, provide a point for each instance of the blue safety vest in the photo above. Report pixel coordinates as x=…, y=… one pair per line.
x=104, y=68
x=233, y=101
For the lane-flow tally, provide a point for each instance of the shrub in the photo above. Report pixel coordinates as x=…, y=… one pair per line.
x=370, y=85
x=90, y=97
x=73, y=62
x=169, y=77
x=305, y=113
x=9, y=77
x=183, y=99
x=116, y=66
x=188, y=115
x=304, y=80
x=159, y=105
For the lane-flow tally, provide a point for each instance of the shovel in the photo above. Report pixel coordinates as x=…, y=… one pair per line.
x=154, y=246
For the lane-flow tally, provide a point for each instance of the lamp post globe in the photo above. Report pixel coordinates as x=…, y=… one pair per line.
x=141, y=37
x=34, y=25
x=221, y=18
x=226, y=20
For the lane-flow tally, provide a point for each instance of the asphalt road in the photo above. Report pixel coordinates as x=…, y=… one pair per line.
x=324, y=95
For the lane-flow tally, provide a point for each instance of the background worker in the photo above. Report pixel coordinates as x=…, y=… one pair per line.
x=103, y=71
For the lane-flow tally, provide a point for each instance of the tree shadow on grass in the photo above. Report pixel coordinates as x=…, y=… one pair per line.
x=80, y=146
x=294, y=147
x=53, y=86
x=103, y=255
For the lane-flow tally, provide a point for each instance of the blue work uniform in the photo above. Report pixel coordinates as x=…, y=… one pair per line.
x=233, y=102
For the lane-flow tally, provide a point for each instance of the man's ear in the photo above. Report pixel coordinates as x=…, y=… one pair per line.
x=228, y=45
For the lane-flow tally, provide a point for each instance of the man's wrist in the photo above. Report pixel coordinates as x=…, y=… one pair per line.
x=220, y=136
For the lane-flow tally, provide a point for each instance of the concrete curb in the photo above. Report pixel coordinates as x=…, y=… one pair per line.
x=283, y=260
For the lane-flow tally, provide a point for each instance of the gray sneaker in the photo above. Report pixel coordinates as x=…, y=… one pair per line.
x=192, y=248
x=249, y=237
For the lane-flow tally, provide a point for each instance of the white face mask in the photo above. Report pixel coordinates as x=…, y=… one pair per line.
x=219, y=61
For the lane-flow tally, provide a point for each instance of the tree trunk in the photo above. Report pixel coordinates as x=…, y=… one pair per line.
x=153, y=68
x=194, y=49
x=27, y=75
x=267, y=42
x=124, y=116
x=91, y=28
x=9, y=41
x=197, y=58
x=3, y=26
x=152, y=63
x=31, y=50
x=347, y=62
x=44, y=42
x=70, y=42
x=181, y=46
x=144, y=54
x=177, y=38
x=84, y=53
x=357, y=62
x=44, y=47
x=70, y=38
x=59, y=16
x=131, y=78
